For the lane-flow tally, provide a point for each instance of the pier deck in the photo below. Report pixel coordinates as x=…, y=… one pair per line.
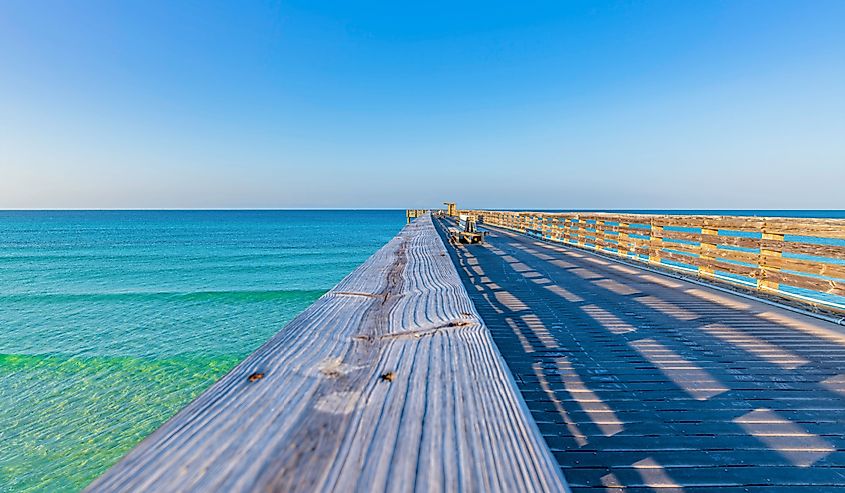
x=643, y=381
x=388, y=382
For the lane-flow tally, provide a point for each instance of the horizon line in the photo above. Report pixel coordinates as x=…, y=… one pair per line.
x=521, y=209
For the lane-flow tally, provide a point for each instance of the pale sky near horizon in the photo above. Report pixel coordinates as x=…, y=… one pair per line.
x=553, y=105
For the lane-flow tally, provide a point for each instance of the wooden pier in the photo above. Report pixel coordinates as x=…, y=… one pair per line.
x=390, y=381
x=621, y=352
x=642, y=381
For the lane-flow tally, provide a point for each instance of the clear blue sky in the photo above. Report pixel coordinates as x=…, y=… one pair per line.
x=559, y=104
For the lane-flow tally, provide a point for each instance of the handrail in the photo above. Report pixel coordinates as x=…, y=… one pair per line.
x=800, y=259
x=390, y=381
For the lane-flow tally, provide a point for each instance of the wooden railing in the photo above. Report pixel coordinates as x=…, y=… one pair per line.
x=797, y=258
x=411, y=214
x=388, y=382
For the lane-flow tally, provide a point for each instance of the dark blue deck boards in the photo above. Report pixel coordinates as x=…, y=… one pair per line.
x=642, y=381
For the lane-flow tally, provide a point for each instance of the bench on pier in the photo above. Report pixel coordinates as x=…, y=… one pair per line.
x=466, y=231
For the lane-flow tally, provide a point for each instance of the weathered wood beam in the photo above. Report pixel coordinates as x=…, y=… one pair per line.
x=390, y=381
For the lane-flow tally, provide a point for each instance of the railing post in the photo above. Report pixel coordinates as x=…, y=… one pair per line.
x=655, y=243
x=707, y=253
x=600, y=236
x=581, y=231
x=623, y=242
x=566, y=230
x=770, y=248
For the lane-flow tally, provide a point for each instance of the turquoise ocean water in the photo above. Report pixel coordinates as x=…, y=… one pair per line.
x=112, y=321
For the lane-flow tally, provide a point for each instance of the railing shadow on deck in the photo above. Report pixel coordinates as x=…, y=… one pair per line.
x=609, y=367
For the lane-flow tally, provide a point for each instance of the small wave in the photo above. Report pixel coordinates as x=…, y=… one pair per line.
x=191, y=296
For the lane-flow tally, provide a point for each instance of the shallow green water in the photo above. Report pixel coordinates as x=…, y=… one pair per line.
x=110, y=322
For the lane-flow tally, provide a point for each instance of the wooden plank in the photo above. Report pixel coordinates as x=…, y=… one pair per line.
x=601, y=240
x=567, y=229
x=765, y=281
x=556, y=230
x=736, y=241
x=827, y=251
x=807, y=266
x=709, y=252
x=677, y=257
x=741, y=270
x=822, y=228
x=640, y=241
x=624, y=244
x=812, y=283
x=655, y=243
x=640, y=250
x=624, y=228
x=622, y=218
x=733, y=223
x=682, y=235
x=389, y=381
x=740, y=256
x=681, y=247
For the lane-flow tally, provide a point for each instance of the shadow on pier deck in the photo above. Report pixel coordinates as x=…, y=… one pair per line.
x=643, y=381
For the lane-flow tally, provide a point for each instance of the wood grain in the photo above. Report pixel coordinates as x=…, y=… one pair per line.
x=390, y=381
